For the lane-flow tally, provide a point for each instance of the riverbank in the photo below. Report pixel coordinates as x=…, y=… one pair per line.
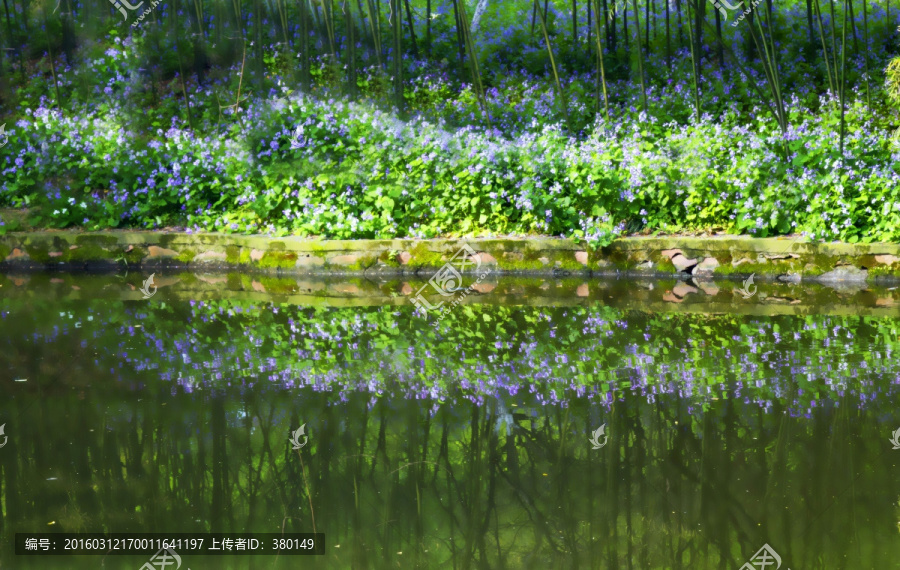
x=784, y=259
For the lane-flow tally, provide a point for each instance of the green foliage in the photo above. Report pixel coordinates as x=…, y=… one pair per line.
x=892, y=80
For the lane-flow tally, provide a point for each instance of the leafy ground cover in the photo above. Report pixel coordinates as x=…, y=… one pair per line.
x=151, y=128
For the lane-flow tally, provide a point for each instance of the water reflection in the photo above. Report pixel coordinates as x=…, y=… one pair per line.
x=465, y=446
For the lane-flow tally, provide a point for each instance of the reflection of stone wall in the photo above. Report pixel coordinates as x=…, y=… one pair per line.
x=670, y=294
x=768, y=258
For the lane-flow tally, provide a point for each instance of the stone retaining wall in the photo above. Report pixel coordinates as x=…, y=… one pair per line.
x=770, y=258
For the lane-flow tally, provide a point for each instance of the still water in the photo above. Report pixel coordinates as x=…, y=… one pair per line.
x=727, y=423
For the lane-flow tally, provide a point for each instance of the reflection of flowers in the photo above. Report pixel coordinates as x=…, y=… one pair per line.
x=447, y=280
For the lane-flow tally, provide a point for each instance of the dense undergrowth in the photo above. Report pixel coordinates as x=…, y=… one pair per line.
x=105, y=143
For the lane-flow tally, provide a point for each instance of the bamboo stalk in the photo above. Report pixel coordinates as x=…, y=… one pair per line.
x=831, y=79
x=559, y=88
x=601, y=71
x=640, y=54
x=668, y=38
x=459, y=37
x=187, y=101
x=647, y=23
x=52, y=62
x=412, y=30
x=305, y=56
x=590, y=30
x=753, y=85
x=257, y=23
x=473, y=60
x=328, y=18
x=866, y=42
x=397, y=53
x=574, y=22
x=843, y=83
x=351, y=50
x=375, y=27
x=694, y=64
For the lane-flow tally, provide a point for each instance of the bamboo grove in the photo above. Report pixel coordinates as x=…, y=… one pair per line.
x=614, y=40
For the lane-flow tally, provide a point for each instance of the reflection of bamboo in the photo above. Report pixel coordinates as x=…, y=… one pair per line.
x=358, y=555
x=469, y=503
x=219, y=473
x=380, y=445
x=611, y=526
x=534, y=513
x=312, y=512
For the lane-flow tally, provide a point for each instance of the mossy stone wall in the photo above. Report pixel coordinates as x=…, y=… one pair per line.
x=770, y=258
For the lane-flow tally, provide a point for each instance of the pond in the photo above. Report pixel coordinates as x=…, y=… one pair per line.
x=540, y=424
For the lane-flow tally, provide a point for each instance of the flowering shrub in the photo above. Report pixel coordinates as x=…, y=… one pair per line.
x=346, y=170
x=127, y=155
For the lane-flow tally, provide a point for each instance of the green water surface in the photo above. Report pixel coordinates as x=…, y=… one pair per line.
x=728, y=423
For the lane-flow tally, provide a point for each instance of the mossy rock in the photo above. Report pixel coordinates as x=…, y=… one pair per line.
x=232, y=254
x=86, y=253
x=390, y=258
x=39, y=253
x=187, y=256
x=422, y=257
x=96, y=239
x=278, y=259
